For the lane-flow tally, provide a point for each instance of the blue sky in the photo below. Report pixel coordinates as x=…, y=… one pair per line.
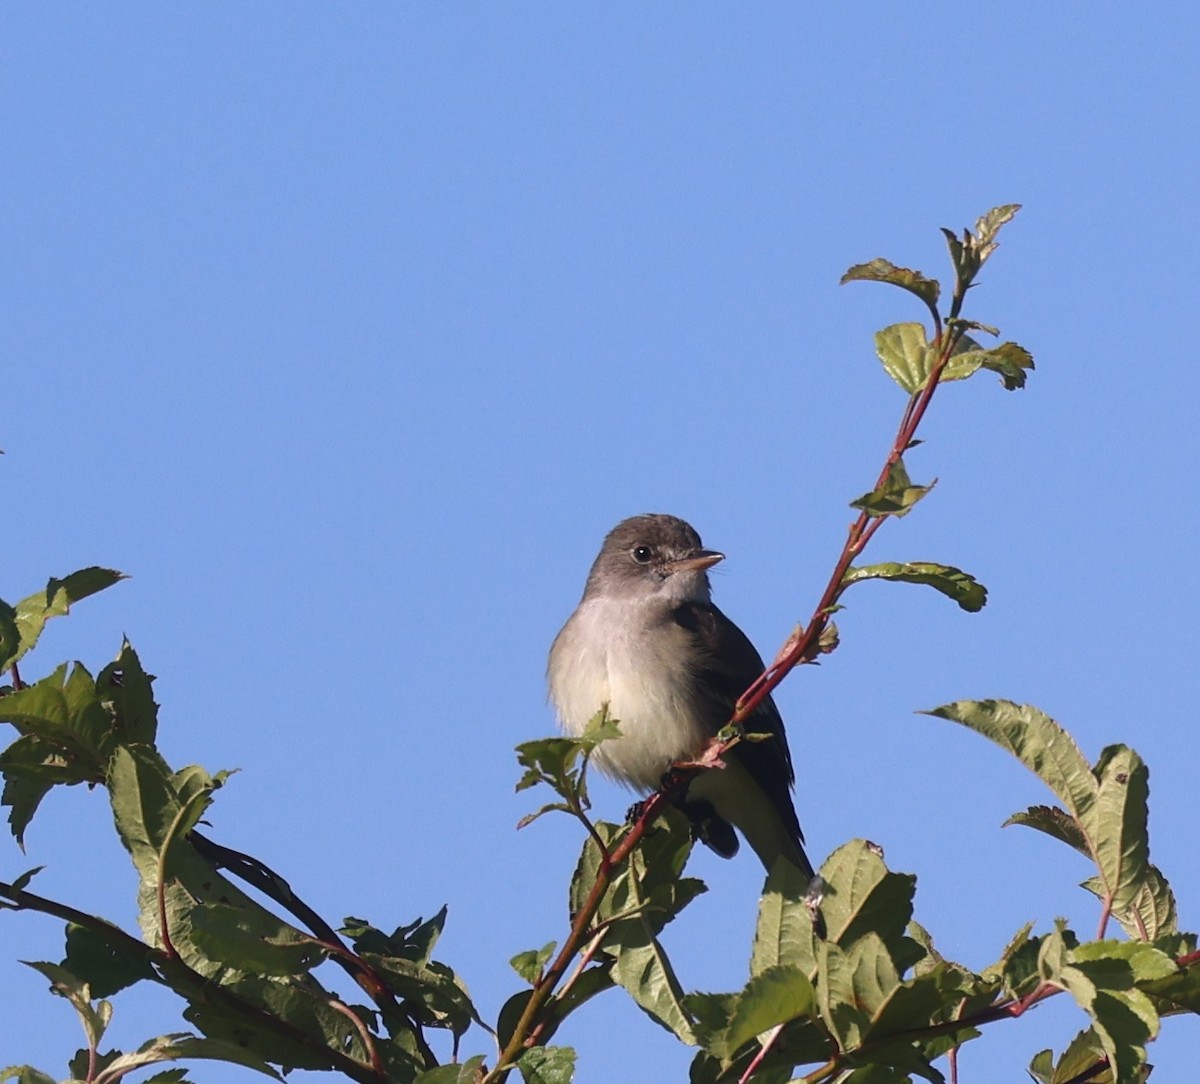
x=349, y=331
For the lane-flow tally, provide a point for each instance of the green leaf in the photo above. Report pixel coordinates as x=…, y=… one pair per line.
x=176, y=1047
x=1122, y=964
x=1012, y=362
x=906, y=355
x=22, y=882
x=435, y=996
x=881, y=270
x=642, y=897
x=65, y=712
x=31, y=769
x=955, y=584
x=895, y=497
x=237, y=938
x=772, y=997
x=1084, y=1053
x=1117, y=824
x=148, y=805
x=10, y=635
x=642, y=968
x=1179, y=992
x=784, y=933
x=25, y=1074
x=988, y=225
x=1037, y=741
x=531, y=963
x=1151, y=913
x=102, y=964
x=846, y=1022
x=1017, y=968
x=306, y=1008
x=547, y=1065
x=711, y=1014
x=862, y=896
x=1103, y=977
x=466, y=1073
x=969, y=254
x=30, y=615
x=1054, y=822
x=95, y=1018
x=126, y=689
x=561, y=763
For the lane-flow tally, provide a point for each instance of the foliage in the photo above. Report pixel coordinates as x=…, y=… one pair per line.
x=843, y=983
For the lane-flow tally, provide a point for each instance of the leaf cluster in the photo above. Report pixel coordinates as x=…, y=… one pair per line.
x=245, y=972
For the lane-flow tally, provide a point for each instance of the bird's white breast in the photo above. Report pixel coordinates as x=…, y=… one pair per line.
x=614, y=652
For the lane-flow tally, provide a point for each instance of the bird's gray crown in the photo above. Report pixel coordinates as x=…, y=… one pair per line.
x=650, y=556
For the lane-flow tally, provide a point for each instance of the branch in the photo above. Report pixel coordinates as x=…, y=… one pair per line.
x=175, y=975
x=806, y=646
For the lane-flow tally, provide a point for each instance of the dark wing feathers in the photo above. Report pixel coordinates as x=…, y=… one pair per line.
x=730, y=664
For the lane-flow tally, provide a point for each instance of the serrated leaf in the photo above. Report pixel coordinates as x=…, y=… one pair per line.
x=1083, y=1053
x=710, y=1015
x=236, y=938
x=1036, y=740
x=881, y=270
x=127, y=690
x=465, y=1073
x=988, y=225
x=1017, y=968
x=177, y=1047
x=1117, y=823
x=530, y=964
x=783, y=935
x=863, y=896
x=94, y=1018
x=306, y=1007
x=1102, y=976
x=874, y=974
x=102, y=964
x=1012, y=362
x=1054, y=822
x=906, y=355
x=895, y=497
x=64, y=711
x=25, y=1074
x=1178, y=992
x=772, y=997
x=1151, y=913
x=547, y=1065
x=955, y=584
x=434, y=995
x=561, y=763
x=30, y=615
x=1124, y=1021
x=969, y=254
x=846, y=1022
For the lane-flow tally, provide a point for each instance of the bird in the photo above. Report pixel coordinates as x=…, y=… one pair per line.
x=647, y=643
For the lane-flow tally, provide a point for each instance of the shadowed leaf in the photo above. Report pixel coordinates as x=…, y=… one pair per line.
x=895, y=497
x=881, y=270
x=955, y=584
x=28, y=618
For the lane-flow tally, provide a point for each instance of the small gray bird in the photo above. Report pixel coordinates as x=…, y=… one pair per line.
x=647, y=641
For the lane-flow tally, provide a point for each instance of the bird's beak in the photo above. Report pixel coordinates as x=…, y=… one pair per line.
x=697, y=562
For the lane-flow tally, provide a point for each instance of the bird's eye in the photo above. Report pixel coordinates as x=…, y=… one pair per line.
x=642, y=554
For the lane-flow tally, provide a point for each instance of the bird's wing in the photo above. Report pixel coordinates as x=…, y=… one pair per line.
x=729, y=665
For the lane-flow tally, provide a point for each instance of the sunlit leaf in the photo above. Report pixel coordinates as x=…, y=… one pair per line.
x=906, y=355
